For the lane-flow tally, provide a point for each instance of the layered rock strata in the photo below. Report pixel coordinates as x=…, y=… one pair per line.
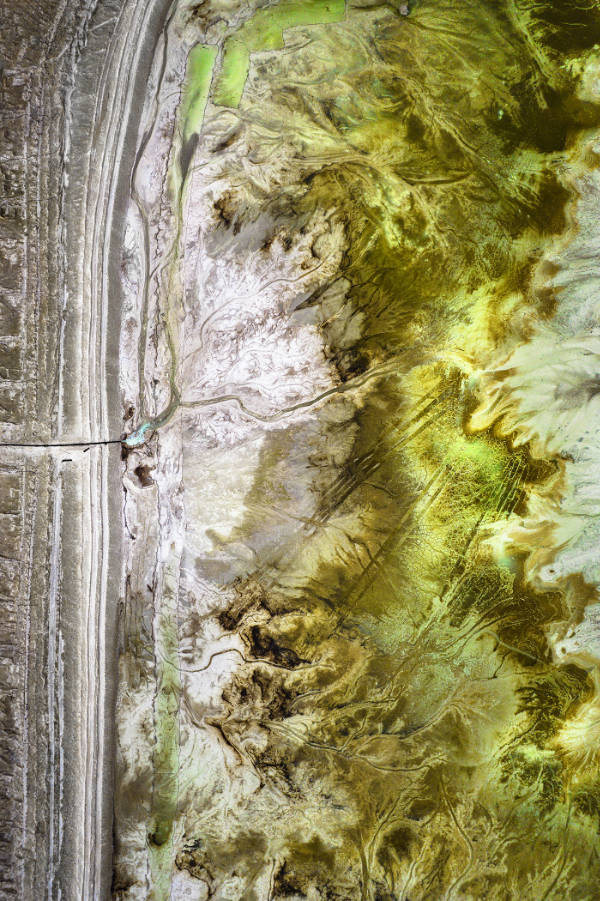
x=71, y=78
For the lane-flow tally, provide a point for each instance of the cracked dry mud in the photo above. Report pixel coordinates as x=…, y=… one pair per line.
x=300, y=412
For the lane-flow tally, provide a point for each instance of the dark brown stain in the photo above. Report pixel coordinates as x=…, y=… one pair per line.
x=143, y=474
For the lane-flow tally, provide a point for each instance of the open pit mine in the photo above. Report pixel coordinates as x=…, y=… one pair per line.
x=299, y=450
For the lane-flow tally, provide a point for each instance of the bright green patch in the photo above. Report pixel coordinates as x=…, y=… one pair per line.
x=264, y=31
x=197, y=86
x=232, y=78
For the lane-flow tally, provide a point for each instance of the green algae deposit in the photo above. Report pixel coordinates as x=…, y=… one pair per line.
x=198, y=77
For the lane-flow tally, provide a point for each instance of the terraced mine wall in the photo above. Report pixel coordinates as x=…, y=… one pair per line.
x=71, y=78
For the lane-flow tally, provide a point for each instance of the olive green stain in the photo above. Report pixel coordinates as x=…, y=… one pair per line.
x=448, y=207
x=264, y=31
x=431, y=686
